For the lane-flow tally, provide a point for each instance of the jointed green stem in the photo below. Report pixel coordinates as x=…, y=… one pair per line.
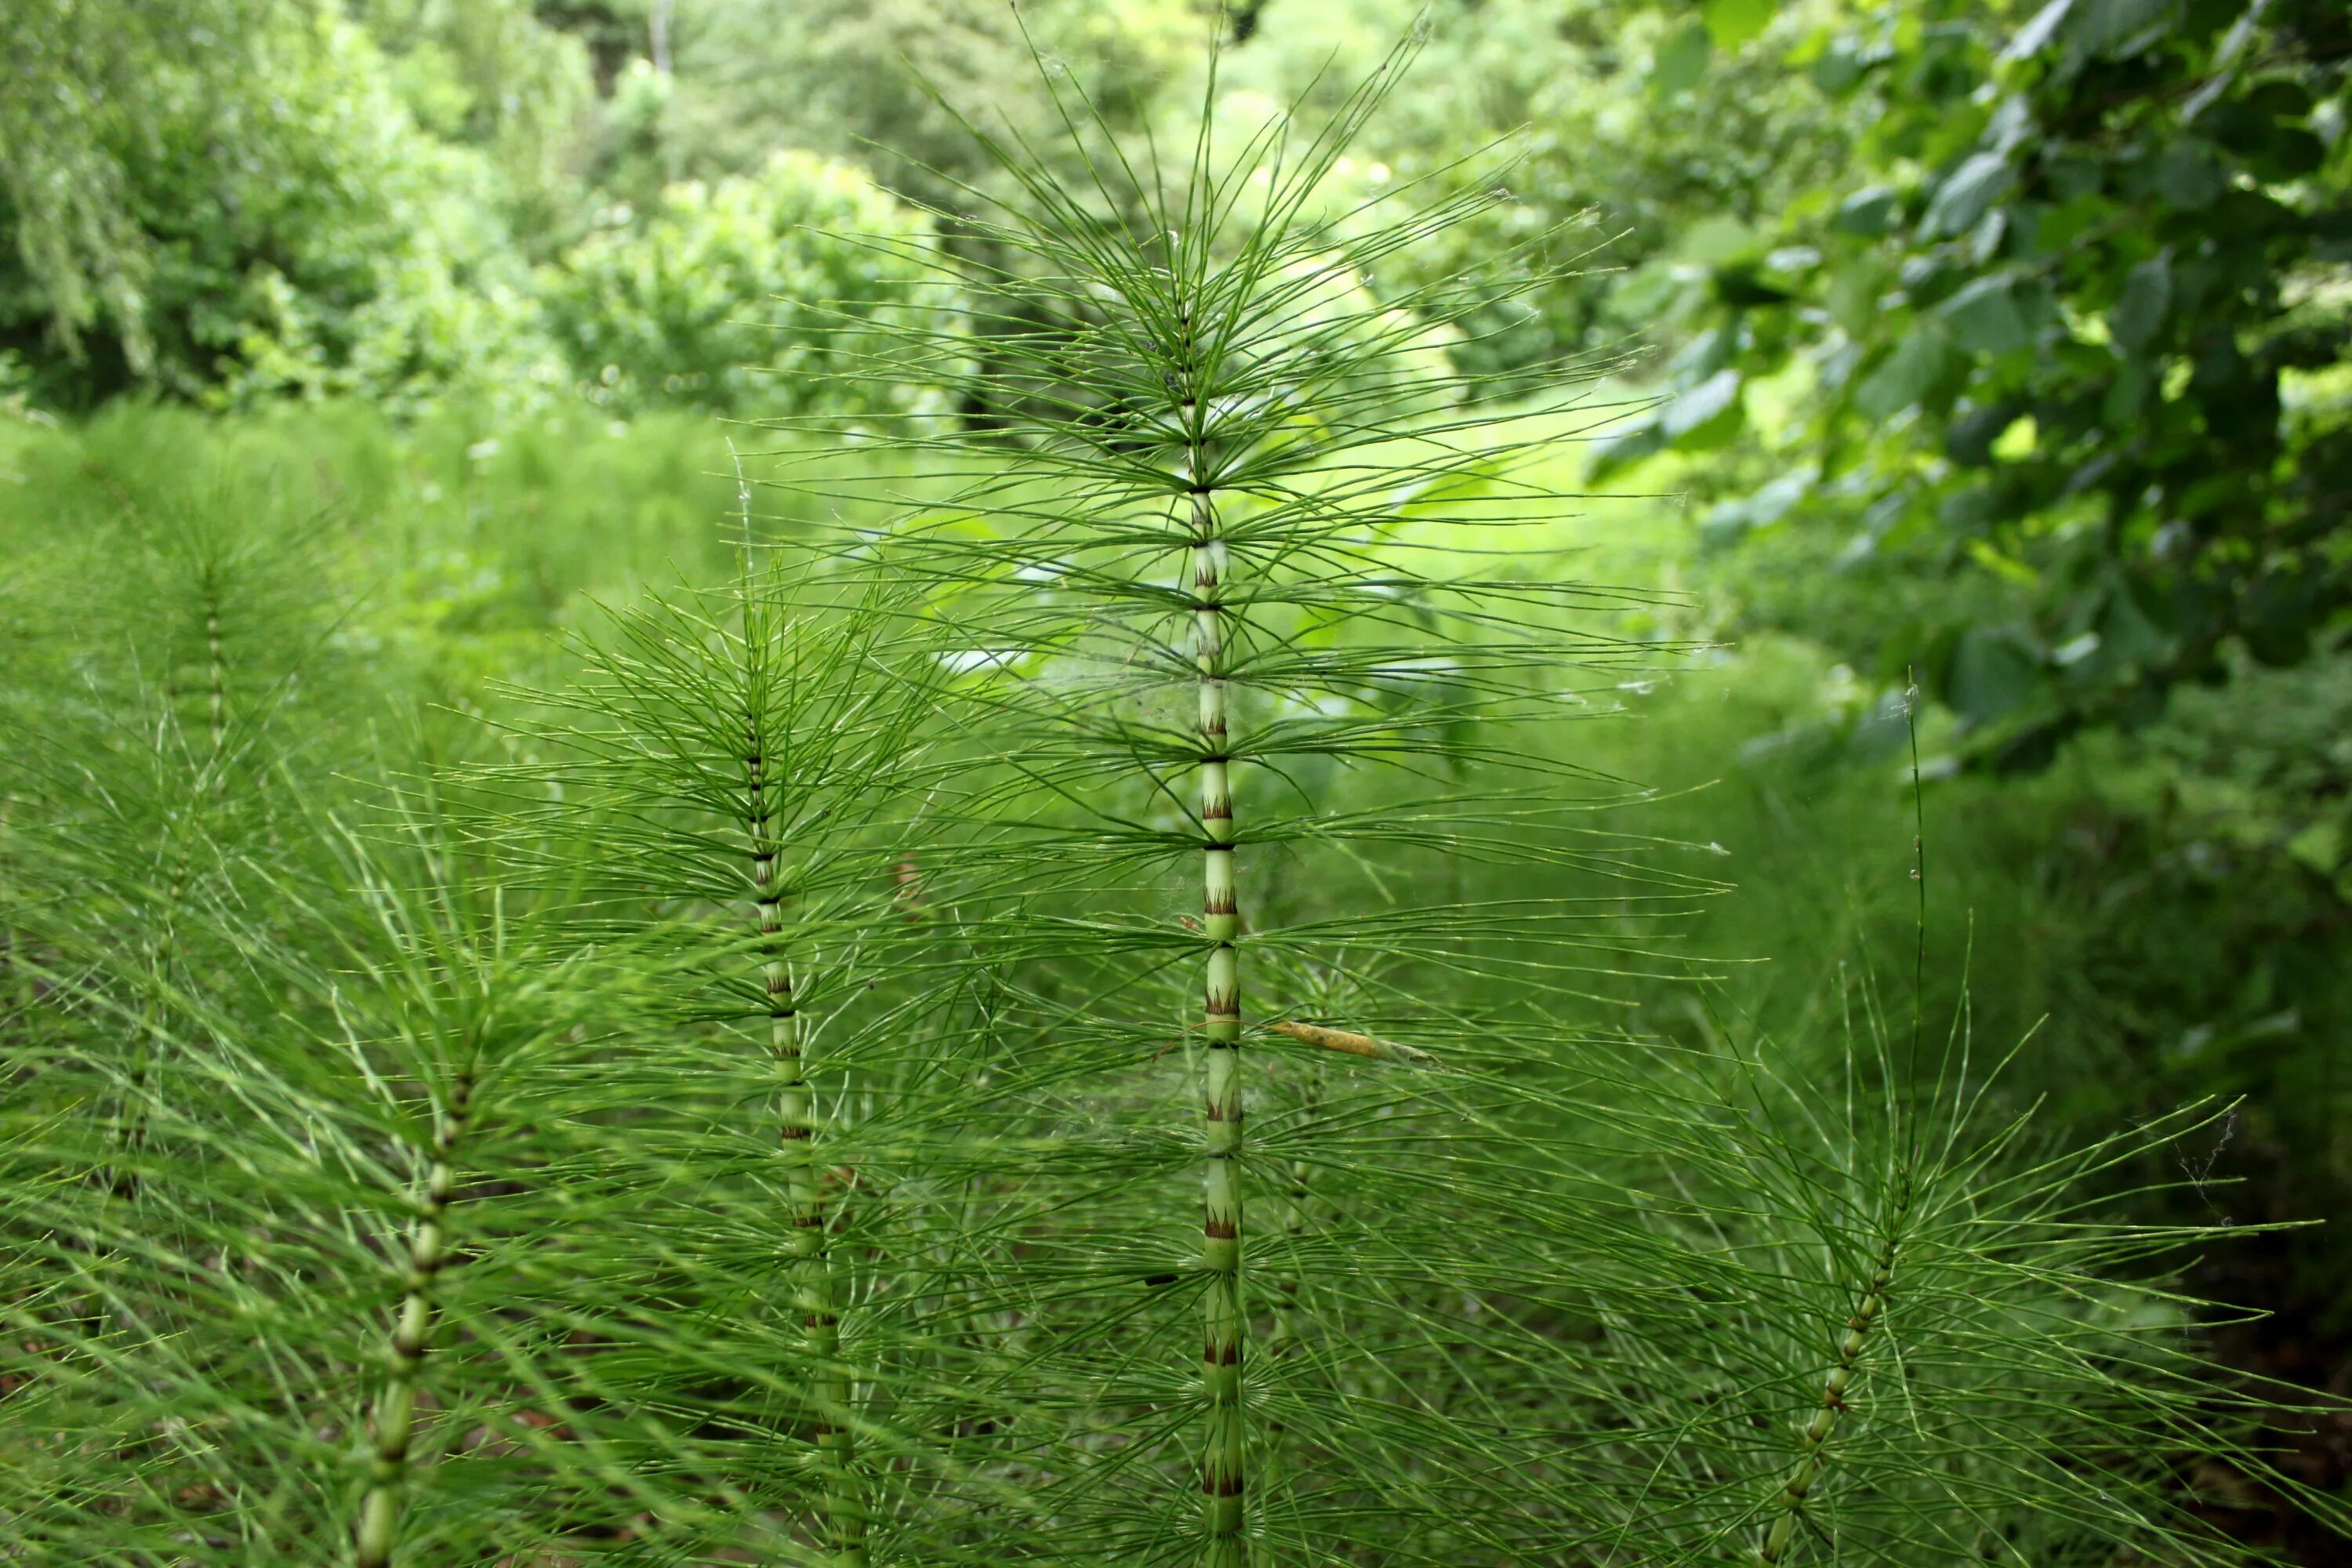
x=813, y=1283
x=395, y=1409
x=216, y=680
x=1224, y=1467
x=1788, y=1507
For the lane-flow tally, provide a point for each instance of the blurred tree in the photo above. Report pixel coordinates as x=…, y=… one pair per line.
x=491, y=74
x=741, y=296
x=1621, y=141
x=857, y=77
x=230, y=198
x=83, y=86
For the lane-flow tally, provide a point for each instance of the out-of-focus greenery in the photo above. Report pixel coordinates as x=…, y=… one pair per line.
x=463, y=537
x=887, y=82
x=2047, y=382
x=1994, y=345
x=228, y=201
x=1627, y=146
x=268, y=198
x=736, y=296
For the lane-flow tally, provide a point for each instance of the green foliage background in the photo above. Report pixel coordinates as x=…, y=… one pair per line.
x=1996, y=349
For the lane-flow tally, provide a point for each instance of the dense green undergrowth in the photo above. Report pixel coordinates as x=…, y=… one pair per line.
x=455, y=549
x=1141, y=978
x=1132, y=934
x=277, y=688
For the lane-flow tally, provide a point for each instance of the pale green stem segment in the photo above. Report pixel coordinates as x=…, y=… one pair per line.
x=813, y=1289
x=395, y=1407
x=1222, y=1461
x=1788, y=1506
x=216, y=680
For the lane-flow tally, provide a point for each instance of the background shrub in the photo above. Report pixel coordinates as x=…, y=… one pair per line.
x=741, y=296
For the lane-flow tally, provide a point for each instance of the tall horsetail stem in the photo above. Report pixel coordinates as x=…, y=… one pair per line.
x=395, y=1409
x=1224, y=1467
x=811, y=1269
x=1788, y=1504
x=215, y=678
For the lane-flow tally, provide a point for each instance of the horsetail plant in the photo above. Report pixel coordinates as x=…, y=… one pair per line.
x=1892, y=1329
x=1205, y=498
x=1191, y=377
x=132, y=781
x=393, y=1420
x=1077, y=1012
x=465, y=1002
x=268, y=1373
x=738, y=757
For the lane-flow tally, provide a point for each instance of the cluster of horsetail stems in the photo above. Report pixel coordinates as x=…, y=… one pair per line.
x=1788, y=1506
x=1224, y=1462
x=828, y=1393
x=395, y=1407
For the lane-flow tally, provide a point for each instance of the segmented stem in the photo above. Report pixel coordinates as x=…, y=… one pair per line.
x=216, y=677
x=1223, y=1466
x=1788, y=1506
x=813, y=1291
x=395, y=1407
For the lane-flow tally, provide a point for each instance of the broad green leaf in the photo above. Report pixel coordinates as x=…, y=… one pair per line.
x=1903, y=378
x=2319, y=846
x=1840, y=68
x=1855, y=292
x=1729, y=519
x=1869, y=212
x=1621, y=452
x=2188, y=177
x=2140, y=310
x=1985, y=318
x=2125, y=632
x=1681, y=60
x=2016, y=443
x=2032, y=37
x=1698, y=416
x=2002, y=565
x=1732, y=23
x=1721, y=238
x=2116, y=28
x=2127, y=392
x=1967, y=193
